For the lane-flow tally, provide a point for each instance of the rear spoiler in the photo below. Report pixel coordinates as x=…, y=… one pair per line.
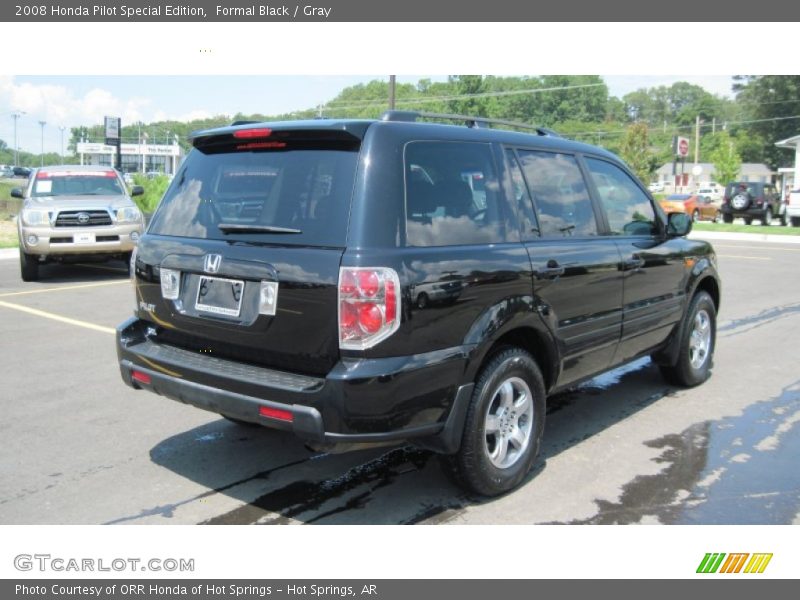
x=281, y=134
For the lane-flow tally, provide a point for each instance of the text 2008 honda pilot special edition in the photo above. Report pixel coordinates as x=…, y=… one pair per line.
x=281, y=282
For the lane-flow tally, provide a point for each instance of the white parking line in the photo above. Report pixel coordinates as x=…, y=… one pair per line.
x=55, y=317
x=63, y=287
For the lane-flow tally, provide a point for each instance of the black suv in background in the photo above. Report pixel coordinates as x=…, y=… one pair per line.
x=750, y=200
x=281, y=282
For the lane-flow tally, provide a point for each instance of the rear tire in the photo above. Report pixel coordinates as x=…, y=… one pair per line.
x=28, y=266
x=727, y=219
x=504, y=425
x=748, y=220
x=697, y=343
x=795, y=221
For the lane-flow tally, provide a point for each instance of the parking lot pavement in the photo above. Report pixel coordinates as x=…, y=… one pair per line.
x=80, y=447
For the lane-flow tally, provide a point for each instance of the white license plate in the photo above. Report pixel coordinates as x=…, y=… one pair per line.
x=83, y=238
x=219, y=296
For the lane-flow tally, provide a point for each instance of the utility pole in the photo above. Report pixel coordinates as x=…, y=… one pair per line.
x=392, y=91
x=697, y=140
x=16, y=115
x=62, y=128
x=42, y=123
x=714, y=125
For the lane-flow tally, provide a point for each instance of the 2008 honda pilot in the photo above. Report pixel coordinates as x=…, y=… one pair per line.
x=398, y=280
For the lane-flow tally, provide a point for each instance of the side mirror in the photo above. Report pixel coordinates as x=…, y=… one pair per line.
x=16, y=193
x=678, y=224
x=137, y=190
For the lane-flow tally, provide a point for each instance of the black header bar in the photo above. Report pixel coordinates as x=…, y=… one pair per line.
x=670, y=14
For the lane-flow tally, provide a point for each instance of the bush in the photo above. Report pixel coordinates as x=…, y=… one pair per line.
x=153, y=191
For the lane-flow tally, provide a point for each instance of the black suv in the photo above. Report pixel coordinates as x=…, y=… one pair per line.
x=281, y=281
x=750, y=200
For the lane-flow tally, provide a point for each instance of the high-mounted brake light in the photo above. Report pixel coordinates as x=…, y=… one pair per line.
x=259, y=132
x=369, y=306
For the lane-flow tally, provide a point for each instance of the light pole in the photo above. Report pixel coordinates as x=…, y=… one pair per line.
x=16, y=115
x=62, y=128
x=42, y=123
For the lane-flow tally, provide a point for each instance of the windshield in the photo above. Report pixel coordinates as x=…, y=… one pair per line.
x=260, y=195
x=76, y=183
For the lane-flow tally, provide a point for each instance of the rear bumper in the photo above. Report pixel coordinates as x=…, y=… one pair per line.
x=755, y=212
x=366, y=401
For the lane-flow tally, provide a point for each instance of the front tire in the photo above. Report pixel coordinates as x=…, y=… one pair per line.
x=697, y=343
x=28, y=266
x=504, y=425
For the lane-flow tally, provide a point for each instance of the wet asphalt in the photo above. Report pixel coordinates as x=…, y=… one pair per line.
x=80, y=447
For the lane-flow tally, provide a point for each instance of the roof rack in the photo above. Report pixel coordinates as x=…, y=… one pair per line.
x=410, y=116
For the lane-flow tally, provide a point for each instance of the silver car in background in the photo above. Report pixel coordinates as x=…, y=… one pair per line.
x=72, y=213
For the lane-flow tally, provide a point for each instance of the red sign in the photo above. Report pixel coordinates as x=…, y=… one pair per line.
x=682, y=147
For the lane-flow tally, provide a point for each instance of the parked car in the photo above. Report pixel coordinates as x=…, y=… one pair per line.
x=7, y=172
x=22, y=172
x=72, y=213
x=700, y=208
x=793, y=207
x=752, y=200
x=712, y=191
x=279, y=283
x=656, y=187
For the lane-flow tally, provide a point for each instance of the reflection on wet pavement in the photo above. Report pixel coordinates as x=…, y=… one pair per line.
x=738, y=470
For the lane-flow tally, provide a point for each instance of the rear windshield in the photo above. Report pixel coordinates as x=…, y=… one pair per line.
x=734, y=188
x=304, y=194
x=76, y=183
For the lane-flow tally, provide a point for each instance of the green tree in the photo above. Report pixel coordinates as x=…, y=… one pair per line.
x=725, y=158
x=635, y=151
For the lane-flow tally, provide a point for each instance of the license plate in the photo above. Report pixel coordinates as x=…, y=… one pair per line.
x=219, y=296
x=83, y=238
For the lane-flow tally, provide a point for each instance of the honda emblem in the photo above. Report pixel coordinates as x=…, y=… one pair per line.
x=211, y=263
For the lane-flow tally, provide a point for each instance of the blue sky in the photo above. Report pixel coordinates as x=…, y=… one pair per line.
x=70, y=101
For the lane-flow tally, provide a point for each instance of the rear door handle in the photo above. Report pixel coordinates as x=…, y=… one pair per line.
x=550, y=271
x=632, y=263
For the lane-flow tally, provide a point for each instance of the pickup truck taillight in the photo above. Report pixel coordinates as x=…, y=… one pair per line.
x=369, y=306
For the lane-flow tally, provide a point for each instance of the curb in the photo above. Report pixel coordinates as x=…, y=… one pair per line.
x=9, y=253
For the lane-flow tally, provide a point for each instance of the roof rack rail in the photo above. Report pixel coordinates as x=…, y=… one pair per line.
x=243, y=122
x=410, y=116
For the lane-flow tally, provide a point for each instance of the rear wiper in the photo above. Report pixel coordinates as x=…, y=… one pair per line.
x=237, y=228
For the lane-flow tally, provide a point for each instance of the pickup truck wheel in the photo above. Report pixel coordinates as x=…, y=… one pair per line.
x=697, y=342
x=504, y=425
x=28, y=266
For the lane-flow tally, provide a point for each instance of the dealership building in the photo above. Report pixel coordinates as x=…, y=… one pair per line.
x=143, y=158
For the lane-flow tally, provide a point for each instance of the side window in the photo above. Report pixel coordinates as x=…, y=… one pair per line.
x=559, y=193
x=520, y=192
x=452, y=194
x=628, y=209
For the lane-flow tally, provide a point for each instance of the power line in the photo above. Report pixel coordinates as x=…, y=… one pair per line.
x=423, y=99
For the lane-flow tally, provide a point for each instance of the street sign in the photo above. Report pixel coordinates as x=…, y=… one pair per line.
x=112, y=130
x=682, y=147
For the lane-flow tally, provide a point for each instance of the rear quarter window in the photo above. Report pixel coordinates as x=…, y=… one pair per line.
x=452, y=194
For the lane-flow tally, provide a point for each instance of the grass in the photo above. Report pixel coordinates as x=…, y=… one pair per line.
x=742, y=228
x=8, y=234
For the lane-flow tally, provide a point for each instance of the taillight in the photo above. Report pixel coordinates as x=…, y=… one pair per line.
x=369, y=306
